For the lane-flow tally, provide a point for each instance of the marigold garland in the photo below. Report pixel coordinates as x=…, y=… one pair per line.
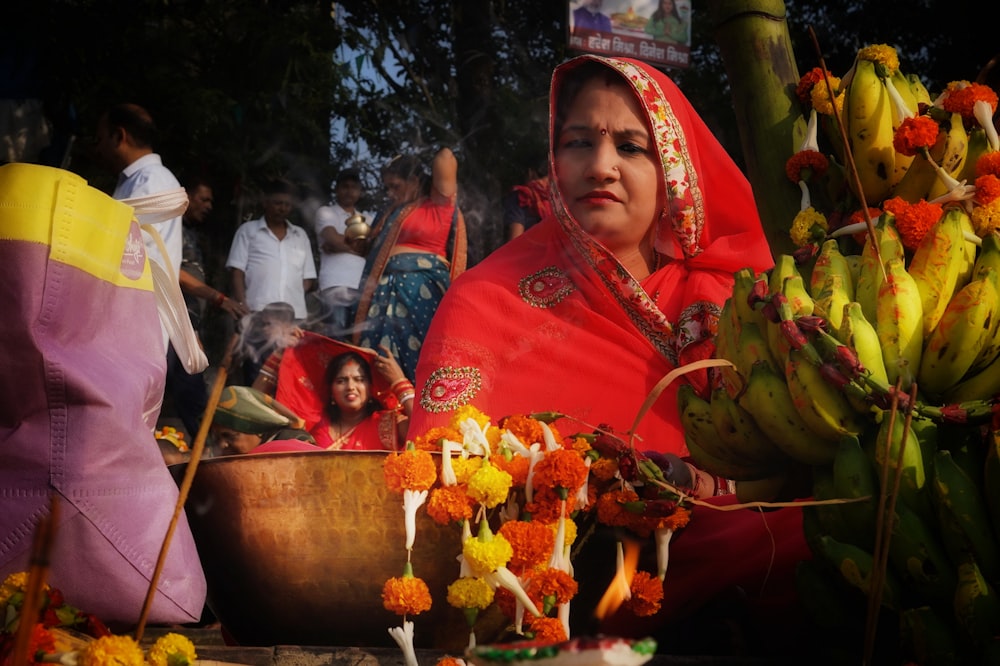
x=546, y=629
x=412, y=469
x=561, y=469
x=961, y=97
x=470, y=592
x=172, y=650
x=882, y=54
x=449, y=504
x=489, y=485
x=986, y=219
x=107, y=650
x=915, y=134
x=988, y=164
x=532, y=542
x=913, y=220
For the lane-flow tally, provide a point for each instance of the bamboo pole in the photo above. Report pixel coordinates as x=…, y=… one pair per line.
x=196, y=450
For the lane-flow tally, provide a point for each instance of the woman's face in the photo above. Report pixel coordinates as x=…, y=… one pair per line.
x=667, y=6
x=400, y=190
x=350, y=388
x=607, y=168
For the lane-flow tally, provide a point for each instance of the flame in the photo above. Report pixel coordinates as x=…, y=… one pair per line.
x=619, y=589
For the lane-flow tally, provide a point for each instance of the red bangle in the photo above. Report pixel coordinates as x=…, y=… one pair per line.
x=220, y=299
x=392, y=387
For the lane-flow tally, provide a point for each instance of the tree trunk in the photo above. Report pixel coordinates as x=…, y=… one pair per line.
x=756, y=48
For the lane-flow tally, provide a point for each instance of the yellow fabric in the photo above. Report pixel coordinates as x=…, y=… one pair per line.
x=83, y=227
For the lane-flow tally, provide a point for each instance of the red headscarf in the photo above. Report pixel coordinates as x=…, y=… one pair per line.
x=552, y=321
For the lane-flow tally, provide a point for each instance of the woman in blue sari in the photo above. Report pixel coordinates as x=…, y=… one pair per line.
x=419, y=248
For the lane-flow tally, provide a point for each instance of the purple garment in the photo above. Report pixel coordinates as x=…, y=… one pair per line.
x=80, y=392
x=584, y=19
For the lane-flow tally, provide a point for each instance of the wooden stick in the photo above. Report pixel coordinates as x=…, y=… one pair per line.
x=185, y=487
x=41, y=548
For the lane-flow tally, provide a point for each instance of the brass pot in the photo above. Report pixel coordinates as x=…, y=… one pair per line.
x=296, y=548
x=356, y=228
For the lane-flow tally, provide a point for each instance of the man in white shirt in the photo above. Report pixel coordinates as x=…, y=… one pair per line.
x=124, y=143
x=340, y=263
x=271, y=259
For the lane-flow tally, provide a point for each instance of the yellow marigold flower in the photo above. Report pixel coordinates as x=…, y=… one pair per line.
x=465, y=467
x=112, y=651
x=172, y=650
x=468, y=412
x=804, y=227
x=881, y=53
x=485, y=555
x=532, y=543
x=13, y=584
x=986, y=219
x=647, y=594
x=819, y=97
x=570, y=530
x=406, y=595
x=412, y=469
x=449, y=504
x=489, y=485
x=470, y=593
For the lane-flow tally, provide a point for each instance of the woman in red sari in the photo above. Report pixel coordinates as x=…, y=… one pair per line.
x=585, y=312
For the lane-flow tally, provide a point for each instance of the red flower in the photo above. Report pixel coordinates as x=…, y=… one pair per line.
x=988, y=164
x=532, y=542
x=913, y=220
x=647, y=594
x=914, y=134
x=987, y=189
x=806, y=164
x=805, y=85
x=961, y=97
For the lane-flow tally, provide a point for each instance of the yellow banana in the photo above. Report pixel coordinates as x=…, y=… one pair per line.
x=899, y=323
x=939, y=266
x=964, y=329
x=979, y=145
x=832, y=300
x=822, y=407
x=983, y=385
x=743, y=284
x=738, y=429
x=868, y=119
x=955, y=155
x=753, y=346
x=859, y=334
x=918, y=90
x=964, y=516
x=871, y=273
x=830, y=261
x=768, y=400
x=977, y=607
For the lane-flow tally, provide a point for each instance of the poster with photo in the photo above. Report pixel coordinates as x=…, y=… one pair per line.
x=656, y=31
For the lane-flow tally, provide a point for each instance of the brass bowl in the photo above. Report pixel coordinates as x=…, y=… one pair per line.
x=296, y=547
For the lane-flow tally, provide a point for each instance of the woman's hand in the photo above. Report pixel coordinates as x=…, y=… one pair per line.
x=387, y=367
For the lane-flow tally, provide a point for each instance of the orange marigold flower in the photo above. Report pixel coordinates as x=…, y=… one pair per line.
x=431, y=440
x=562, y=469
x=412, y=469
x=546, y=505
x=406, y=595
x=603, y=469
x=611, y=507
x=41, y=643
x=578, y=444
x=675, y=521
x=805, y=85
x=988, y=164
x=527, y=430
x=987, y=188
x=915, y=133
x=858, y=217
x=806, y=164
x=961, y=97
x=647, y=594
x=532, y=542
x=450, y=661
x=549, y=582
x=513, y=464
x=449, y=504
x=545, y=629
x=913, y=220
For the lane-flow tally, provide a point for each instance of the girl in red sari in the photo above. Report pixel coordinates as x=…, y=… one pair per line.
x=585, y=312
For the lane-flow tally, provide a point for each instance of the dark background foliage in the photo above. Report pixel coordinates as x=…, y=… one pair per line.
x=246, y=89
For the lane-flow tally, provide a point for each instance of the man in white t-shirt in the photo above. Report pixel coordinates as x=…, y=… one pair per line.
x=340, y=262
x=271, y=259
